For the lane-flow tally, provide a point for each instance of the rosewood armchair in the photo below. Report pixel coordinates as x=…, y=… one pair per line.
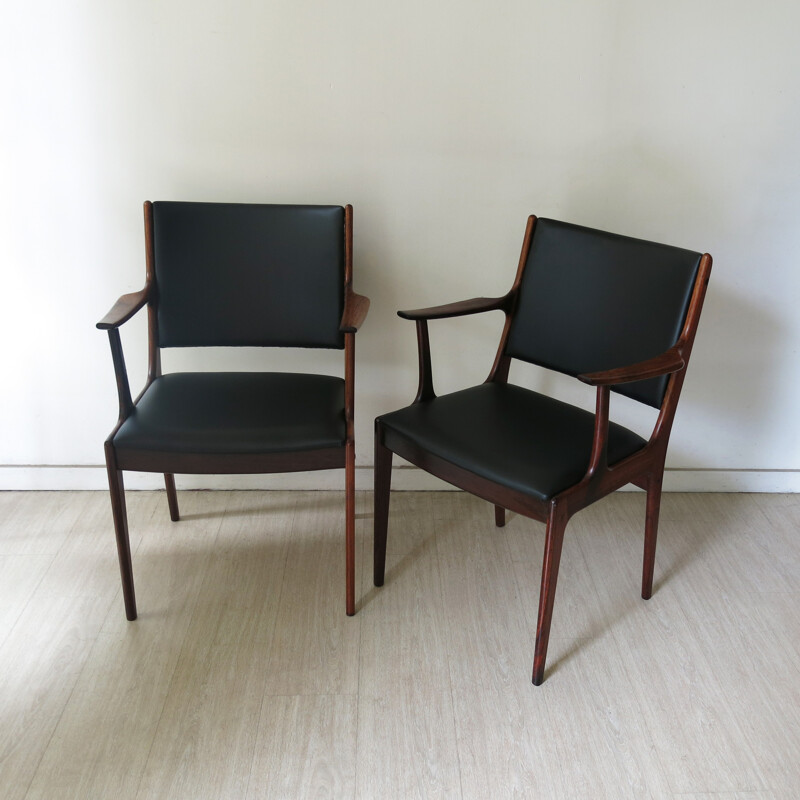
x=615, y=312
x=238, y=275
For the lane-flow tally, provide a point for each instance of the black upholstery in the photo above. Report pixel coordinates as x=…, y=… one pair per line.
x=592, y=301
x=236, y=412
x=231, y=274
x=511, y=436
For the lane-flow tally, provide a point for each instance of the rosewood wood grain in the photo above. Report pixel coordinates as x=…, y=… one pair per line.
x=121, y=374
x=124, y=309
x=475, y=305
x=598, y=460
x=664, y=364
x=231, y=463
x=502, y=361
x=354, y=313
x=350, y=472
x=554, y=539
x=350, y=530
x=653, y=487
x=172, y=496
x=425, y=386
x=153, y=348
x=644, y=468
x=117, y=489
x=383, y=478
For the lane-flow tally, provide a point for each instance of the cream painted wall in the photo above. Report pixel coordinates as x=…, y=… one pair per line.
x=444, y=124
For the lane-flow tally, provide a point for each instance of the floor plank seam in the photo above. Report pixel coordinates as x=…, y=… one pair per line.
x=615, y=633
x=690, y=694
x=265, y=695
x=181, y=649
x=64, y=707
x=33, y=592
x=449, y=666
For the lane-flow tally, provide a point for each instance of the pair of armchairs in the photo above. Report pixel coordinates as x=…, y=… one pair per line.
x=615, y=312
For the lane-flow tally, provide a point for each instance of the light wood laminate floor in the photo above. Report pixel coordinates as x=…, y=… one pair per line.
x=243, y=678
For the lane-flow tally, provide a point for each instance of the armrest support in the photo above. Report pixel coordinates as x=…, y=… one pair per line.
x=421, y=316
x=474, y=306
x=124, y=309
x=598, y=460
x=120, y=373
x=354, y=312
x=121, y=312
x=664, y=364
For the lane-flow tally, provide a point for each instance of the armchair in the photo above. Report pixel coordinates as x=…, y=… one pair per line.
x=238, y=275
x=616, y=313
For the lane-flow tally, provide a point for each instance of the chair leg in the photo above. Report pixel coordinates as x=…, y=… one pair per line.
x=383, y=485
x=651, y=533
x=118, y=509
x=554, y=538
x=172, y=497
x=499, y=516
x=350, y=528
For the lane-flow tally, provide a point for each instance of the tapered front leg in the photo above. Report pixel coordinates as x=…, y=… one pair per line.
x=350, y=528
x=383, y=483
x=651, y=533
x=554, y=538
x=119, y=511
x=172, y=497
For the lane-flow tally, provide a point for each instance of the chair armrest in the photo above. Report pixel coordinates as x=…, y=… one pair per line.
x=476, y=305
x=354, y=312
x=667, y=362
x=124, y=309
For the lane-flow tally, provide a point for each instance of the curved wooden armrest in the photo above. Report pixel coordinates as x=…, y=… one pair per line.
x=474, y=306
x=124, y=309
x=354, y=312
x=667, y=362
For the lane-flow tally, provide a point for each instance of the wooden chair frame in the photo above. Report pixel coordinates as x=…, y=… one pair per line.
x=645, y=468
x=353, y=315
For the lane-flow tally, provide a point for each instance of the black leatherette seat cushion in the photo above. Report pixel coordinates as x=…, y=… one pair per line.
x=236, y=412
x=512, y=436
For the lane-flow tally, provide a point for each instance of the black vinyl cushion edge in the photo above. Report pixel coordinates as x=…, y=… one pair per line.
x=236, y=412
x=515, y=437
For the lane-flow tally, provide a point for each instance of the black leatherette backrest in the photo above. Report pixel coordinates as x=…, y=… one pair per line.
x=591, y=301
x=236, y=274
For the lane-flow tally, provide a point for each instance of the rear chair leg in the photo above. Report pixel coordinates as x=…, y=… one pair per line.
x=651, y=533
x=172, y=497
x=499, y=516
x=554, y=538
x=383, y=485
x=117, y=489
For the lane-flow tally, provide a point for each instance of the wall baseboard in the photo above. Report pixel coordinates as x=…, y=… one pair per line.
x=404, y=478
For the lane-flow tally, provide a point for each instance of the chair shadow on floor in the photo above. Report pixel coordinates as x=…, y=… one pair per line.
x=682, y=546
